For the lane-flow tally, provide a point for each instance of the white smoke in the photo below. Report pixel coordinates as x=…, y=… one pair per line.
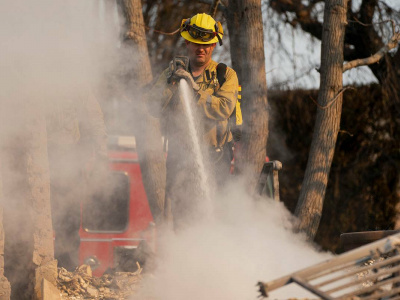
x=246, y=241
x=240, y=242
x=52, y=51
x=52, y=48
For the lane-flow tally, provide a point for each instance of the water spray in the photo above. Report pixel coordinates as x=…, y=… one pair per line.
x=187, y=99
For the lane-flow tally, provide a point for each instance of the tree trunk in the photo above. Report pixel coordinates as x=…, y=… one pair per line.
x=151, y=156
x=245, y=26
x=38, y=175
x=29, y=246
x=5, y=288
x=234, y=21
x=309, y=206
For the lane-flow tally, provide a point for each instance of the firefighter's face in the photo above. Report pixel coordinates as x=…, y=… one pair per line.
x=199, y=54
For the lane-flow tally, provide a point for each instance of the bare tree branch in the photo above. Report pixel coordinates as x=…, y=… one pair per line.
x=303, y=17
x=214, y=7
x=331, y=101
x=211, y=2
x=372, y=24
x=393, y=42
x=162, y=32
x=346, y=132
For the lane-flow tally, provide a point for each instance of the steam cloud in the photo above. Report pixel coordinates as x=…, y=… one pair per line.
x=224, y=256
x=52, y=53
x=51, y=50
x=236, y=242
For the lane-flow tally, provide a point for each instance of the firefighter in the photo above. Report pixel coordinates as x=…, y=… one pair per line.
x=77, y=149
x=215, y=102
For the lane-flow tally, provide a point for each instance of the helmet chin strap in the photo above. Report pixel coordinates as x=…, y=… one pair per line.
x=219, y=38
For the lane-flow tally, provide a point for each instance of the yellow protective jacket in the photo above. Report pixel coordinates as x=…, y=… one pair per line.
x=215, y=103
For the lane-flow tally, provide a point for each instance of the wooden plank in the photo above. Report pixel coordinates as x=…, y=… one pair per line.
x=309, y=287
x=352, y=258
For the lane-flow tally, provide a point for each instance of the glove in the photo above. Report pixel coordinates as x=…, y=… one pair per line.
x=182, y=74
x=179, y=62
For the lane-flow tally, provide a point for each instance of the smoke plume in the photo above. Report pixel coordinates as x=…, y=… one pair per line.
x=224, y=256
x=52, y=51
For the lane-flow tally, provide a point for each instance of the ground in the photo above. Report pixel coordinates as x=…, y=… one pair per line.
x=80, y=284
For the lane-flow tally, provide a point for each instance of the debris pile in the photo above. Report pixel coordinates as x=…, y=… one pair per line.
x=80, y=284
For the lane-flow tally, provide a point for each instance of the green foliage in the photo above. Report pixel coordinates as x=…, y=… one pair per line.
x=363, y=185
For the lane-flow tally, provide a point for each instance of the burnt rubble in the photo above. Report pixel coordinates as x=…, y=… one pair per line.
x=80, y=284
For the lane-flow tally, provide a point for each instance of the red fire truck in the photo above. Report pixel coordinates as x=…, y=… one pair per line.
x=117, y=228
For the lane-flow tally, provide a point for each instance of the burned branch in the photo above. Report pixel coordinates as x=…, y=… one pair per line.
x=218, y=6
x=393, y=42
x=214, y=8
x=331, y=101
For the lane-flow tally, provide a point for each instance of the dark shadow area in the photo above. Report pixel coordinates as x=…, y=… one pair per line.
x=362, y=191
x=108, y=208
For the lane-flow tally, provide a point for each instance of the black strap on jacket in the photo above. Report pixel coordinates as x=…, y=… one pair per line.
x=221, y=72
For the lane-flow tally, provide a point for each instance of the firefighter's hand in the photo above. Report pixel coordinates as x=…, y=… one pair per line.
x=179, y=62
x=182, y=74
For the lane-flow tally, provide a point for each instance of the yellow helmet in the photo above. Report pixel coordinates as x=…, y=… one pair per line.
x=202, y=29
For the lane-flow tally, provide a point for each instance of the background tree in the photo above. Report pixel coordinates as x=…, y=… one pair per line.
x=363, y=186
x=38, y=178
x=5, y=288
x=309, y=207
x=246, y=39
x=147, y=132
x=365, y=34
x=29, y=247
